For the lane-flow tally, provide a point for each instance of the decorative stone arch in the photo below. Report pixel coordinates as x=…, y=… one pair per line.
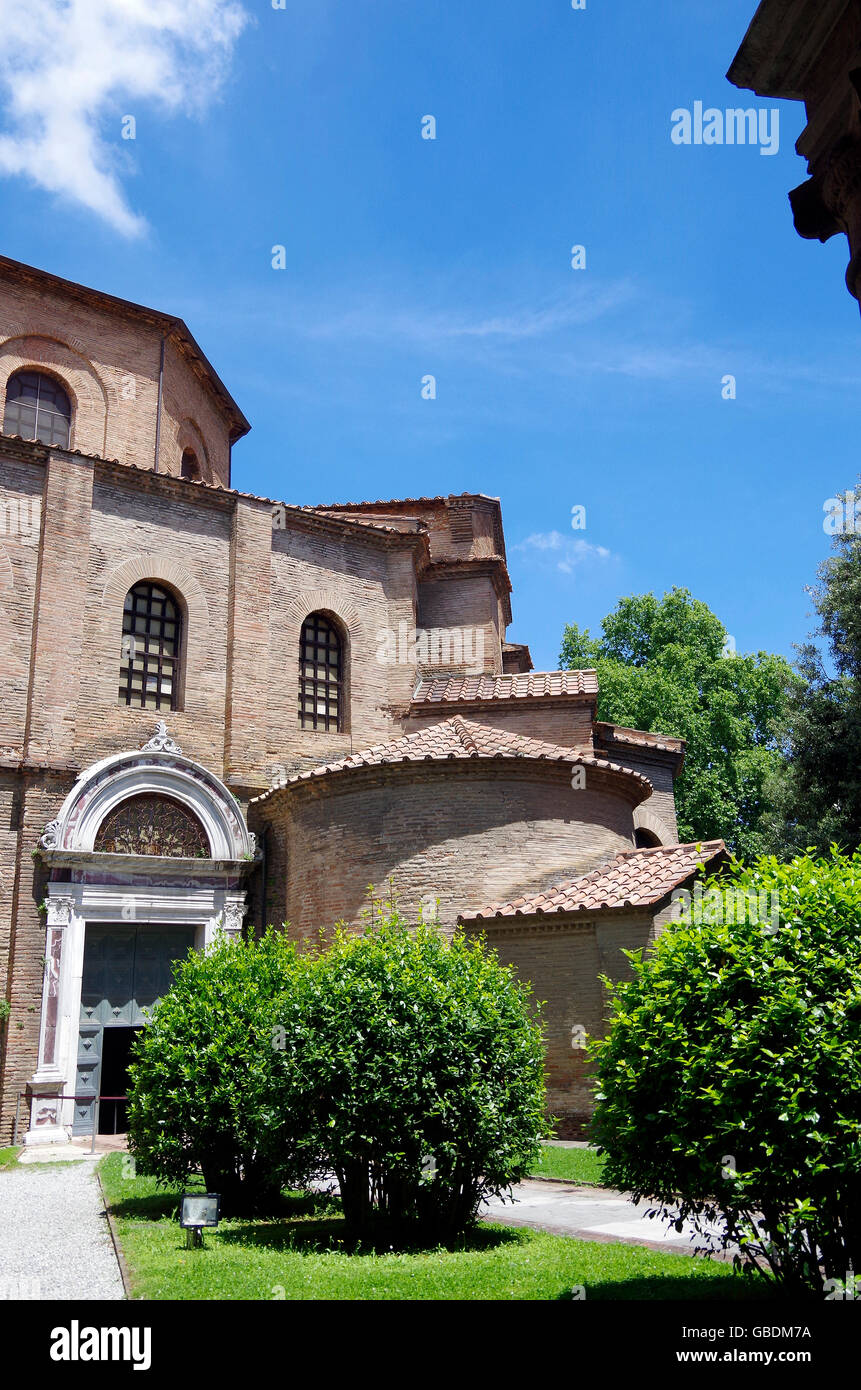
x=111, y=890
x=160, y=768
x=189, y=436
x=195, y=618
x=345, y=615
x=88, y=395
x=653, y=825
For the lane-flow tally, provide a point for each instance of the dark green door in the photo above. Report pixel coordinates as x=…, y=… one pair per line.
x=126, y=971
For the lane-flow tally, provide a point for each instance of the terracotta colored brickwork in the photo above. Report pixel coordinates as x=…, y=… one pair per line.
x=563, y=962
x=108, y=360
x=33, y=800
x=460, y=832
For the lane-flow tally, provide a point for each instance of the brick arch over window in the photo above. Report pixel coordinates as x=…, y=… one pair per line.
x=652, y=825
x=88, y=396
x=330, y=604
x=189, y=437
x=196, y=640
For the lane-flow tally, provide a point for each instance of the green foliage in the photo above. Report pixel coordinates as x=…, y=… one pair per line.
x=409, y=1066
x=209, y=1091
x=817, y=796
x=428, y=1077
x=661, y=668
x=730, y=1080
x=5, y=1011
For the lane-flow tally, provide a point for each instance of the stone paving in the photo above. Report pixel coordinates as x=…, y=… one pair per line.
x=590, y=1213
x=54, y=1236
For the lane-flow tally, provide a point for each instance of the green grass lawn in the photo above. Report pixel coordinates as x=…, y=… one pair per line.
x=575, y=1165
x=9, y=1157
x=299, y=1255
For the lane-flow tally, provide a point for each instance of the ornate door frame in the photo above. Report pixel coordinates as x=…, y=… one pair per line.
x=86, y=885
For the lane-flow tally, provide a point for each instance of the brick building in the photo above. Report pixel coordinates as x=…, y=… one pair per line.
x=220, y=709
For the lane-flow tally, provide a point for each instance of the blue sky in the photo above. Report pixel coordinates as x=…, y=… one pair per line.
x=301, y=127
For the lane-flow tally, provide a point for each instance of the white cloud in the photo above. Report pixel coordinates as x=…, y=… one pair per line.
x=563, y=552
x=376, y=318
x=67, y=67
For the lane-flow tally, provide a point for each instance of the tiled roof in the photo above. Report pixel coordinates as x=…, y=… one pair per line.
x=405, y=501
x=515, y=686
x=638, y=738
x=460, y=738
x=637, y=878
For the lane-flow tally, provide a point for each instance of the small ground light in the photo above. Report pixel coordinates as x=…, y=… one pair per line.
x=198, y=1209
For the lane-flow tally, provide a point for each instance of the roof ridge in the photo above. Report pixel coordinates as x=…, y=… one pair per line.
x=462, y=729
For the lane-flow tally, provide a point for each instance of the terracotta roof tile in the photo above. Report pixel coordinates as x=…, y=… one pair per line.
x=636, y=878
x=435, y=690
x=462, y=738
x=405, y=501
x=638, y=738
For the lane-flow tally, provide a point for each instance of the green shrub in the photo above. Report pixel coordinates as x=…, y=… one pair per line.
x=730, y=1079
x=429, y=1077
x=210, y=1091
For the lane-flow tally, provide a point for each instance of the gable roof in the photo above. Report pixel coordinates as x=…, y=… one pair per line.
x=635, y=878
x=527, y=685
x=459, y=738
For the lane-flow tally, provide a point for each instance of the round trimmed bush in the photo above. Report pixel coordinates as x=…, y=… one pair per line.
x=214, y=1088
x=428, y=1077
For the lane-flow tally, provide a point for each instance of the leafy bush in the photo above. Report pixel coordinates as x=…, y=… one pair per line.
x=730, y=1079
x=428, y=1077
x=408, y=1065
x=209, y=1091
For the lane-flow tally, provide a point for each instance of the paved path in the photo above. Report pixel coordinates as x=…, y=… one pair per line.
x=54, y=1240
x=591, y=1213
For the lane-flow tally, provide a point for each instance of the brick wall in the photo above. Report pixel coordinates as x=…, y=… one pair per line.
x=109, y=366
x=566, y=725
x=468, y=833
x=563, y=960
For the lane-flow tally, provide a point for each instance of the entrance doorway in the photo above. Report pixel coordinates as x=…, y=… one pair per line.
x=126, y=971
x=116, y=1055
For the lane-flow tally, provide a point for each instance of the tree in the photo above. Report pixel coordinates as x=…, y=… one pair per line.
x=817, y=794
x=217, y=1084
x=428, y=1077
x=729, y=1083
x=664, y=666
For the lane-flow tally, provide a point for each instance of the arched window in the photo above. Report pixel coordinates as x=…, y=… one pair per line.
x=37, y=407
x=152, y=642
x=646, y=839
x=320, y=675
x=152, y=824
x=190, y=468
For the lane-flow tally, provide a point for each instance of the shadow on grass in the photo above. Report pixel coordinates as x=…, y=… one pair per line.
x=326, y=1235
x=294, y=1206
x=704, y=1288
